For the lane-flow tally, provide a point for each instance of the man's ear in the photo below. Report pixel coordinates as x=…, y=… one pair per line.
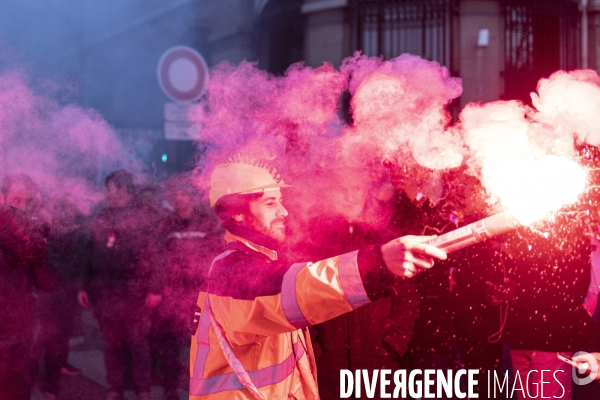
x=238, y=217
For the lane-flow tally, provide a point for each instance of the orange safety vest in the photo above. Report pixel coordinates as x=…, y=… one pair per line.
x=253, y=345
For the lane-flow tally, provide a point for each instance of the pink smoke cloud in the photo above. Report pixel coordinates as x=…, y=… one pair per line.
x=62, y=147
x=399, y=111
x=400, y=132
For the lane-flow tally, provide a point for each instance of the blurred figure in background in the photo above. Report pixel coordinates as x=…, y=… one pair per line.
x=119, y=284
x=56, y=311
x=22, y=193
x=148, y=199
x=476, y=322
x=425, y=208
x=22, y=266
x=547, y=280
x=190, y=239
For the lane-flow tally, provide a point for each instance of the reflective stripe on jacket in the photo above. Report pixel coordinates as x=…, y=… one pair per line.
x=263, y=306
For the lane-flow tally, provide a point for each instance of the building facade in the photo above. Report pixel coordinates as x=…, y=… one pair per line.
x=109, y=50
x=500, y=48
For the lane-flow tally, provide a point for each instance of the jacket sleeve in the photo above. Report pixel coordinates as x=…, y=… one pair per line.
x=24, y=247
x=253, y=298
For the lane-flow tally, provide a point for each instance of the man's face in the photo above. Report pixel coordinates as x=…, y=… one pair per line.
x=267, y=215
x=115, y=196
x=181, y=200
x=20, y=198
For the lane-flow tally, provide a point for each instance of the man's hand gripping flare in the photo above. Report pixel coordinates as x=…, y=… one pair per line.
x=409, y=255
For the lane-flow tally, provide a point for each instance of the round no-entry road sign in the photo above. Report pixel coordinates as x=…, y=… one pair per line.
x=182, y=74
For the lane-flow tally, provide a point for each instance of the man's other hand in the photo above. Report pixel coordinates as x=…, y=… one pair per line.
x=153, y=299
x=408, y=255
x=83, y=299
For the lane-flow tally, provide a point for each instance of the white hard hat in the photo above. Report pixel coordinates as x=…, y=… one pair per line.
x=237, y=177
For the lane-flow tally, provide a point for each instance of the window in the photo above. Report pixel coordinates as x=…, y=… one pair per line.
x=393, y=27
x=542, y=36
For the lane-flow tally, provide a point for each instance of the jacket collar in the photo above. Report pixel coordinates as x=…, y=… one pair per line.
x=231, y=238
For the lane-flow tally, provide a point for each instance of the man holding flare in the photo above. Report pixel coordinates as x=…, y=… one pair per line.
x=252, y=341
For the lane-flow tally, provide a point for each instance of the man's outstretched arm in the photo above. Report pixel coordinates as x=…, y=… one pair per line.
x=252, y=297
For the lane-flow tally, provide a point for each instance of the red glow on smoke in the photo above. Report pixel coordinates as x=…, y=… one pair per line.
x=400, y=126
x=399, y=110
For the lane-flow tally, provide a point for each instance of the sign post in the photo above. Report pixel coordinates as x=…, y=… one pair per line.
x=183, y=77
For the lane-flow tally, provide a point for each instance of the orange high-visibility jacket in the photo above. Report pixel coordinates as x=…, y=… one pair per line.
x=260, y=308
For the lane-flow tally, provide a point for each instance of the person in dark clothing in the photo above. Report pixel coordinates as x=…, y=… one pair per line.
x=475, y=320
x=22, y=265
x=56, y=311
x=548, y=274
x=426, y=207
x=191, y=238
x=120, y=286
x=21, y=192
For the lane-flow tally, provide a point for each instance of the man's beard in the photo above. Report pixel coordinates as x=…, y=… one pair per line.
x=276, y=233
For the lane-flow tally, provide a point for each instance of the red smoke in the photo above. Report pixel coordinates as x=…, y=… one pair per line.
x=399, y=112
x=400, y=126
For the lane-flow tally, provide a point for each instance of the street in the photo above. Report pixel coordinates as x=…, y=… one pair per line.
x=86, y=354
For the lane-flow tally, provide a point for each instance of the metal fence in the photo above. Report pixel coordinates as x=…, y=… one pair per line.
x=393, y=27
x=541, y=36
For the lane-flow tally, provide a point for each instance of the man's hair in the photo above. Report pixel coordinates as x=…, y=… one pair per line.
x=121, y=178
x=22, y=180
x=233, y=204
